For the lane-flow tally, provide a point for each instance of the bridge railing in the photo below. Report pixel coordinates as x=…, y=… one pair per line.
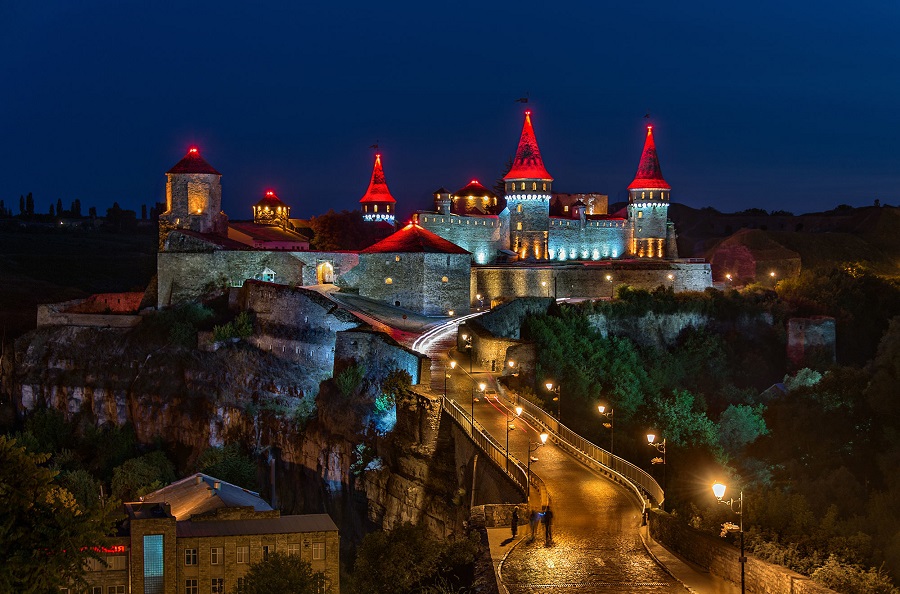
x=494, y=451
x=642, y=483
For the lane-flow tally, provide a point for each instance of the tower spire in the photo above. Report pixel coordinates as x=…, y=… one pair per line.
x=377, y=203
x=528, y=163
x=649, y=175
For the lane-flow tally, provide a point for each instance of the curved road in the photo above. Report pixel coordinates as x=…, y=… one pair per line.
x=596, y=544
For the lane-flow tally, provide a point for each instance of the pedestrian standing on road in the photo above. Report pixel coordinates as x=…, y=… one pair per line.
x=548, y=530
x=534, y=519
x=515, y=521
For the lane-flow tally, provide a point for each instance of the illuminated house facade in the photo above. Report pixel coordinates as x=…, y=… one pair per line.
x=525, y=229
x=201, y=534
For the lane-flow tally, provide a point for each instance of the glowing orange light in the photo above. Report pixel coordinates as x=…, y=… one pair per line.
x=474, y=181
x=528, y=112
x=193, y=150
x=270, y=193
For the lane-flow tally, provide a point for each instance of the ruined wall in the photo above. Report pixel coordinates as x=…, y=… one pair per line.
x=811, y=341
x=721, y=559
x=380, y=354
x=506, y=320
x=587, y=280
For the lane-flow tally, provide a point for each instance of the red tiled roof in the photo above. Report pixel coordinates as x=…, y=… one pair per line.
x=414, y=239
x=193, y=163
x=378, y=190
x=271, y=200
x=528, y=163
x=649, y=175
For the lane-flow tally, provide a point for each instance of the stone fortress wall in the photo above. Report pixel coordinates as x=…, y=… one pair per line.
x=380, y=354
x=587, y=280
x=482, y=236
x=428, y=283
x=576, y=239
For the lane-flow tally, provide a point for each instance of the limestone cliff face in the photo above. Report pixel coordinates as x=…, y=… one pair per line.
x=662, y=329
x=319, y=453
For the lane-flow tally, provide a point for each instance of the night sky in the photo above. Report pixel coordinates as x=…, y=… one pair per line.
x=776, y=105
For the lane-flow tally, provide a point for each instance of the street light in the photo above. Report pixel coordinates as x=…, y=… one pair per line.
x=661, y=448
x=447, y=376
x=719, y=491
x=468, y=348
x=544, y=284
x=609, y=280
x=550, y=388
x=609, y=425
x=481, y=387
x=532, y=447
x=510, y=427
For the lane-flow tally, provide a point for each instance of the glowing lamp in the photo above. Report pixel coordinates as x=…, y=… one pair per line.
x=465, y=337
x=512, y=363
x=450, y=312
x=728, y=276
x=270, y=193
x=544, y=437
x=452, y=364
x=549, y=385
x=608, y=277
x=601, y=408
x=651, y=438
x=193, y=150
x=478, y=296
x=528, y=112
x=518, y=411
x=772, y=274
x=482, y=386
x=671, y=276
x=718, y=490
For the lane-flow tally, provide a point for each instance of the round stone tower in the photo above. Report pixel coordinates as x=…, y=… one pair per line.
x=648, y=206
x=442, y=201
x=193, y=198
x=528, y=187
x=377, y=203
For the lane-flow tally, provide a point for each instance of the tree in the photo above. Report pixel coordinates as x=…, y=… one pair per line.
x=45, y=535
x=21, y=204
x=282, y=573
x=230, y=464
x=59, y=208
x=139, y=476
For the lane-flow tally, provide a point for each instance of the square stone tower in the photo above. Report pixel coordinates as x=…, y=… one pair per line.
x=193, y=198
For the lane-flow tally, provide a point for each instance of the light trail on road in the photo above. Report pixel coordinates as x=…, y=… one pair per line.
x=439, y=333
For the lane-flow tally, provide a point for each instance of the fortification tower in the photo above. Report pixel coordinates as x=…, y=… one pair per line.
x=648, y=207
x=193, y=198
x=442, y=201
x=271, y=211
x=528, y=187
x=377, y=203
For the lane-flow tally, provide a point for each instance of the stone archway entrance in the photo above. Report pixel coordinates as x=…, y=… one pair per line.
x=325, y=273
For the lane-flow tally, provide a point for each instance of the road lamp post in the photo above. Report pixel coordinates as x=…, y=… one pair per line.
x=510, y=427
x=481, y=388
x=532, y=447
x=468, y=347
x=447, y=376
x=609, y=280
x=608, y=425
x=661, y=448
x=555, y=390
x=719, y=491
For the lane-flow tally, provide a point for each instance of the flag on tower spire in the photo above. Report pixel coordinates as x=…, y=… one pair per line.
x=649, y=175
x=378, y=190
x=528, y=163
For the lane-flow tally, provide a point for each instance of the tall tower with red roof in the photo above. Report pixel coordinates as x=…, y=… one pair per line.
x=377, y=203
x=652, y=234
x=193, y=198
x=528, y=187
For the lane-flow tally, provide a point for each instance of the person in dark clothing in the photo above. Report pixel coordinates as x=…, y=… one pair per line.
x=515, y=521
x=548, y=529
x=535, y=518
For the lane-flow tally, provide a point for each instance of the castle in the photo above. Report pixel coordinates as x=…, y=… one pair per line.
x=472, y=249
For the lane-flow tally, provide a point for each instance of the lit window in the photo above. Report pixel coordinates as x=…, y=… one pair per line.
x=640, y=214
x=243, y=554
x=523, y=185
x=215, y=556
x=388, y=281
x=566, y=208
x=651, y=195
x=154, y=567
x=93, y=565
x=444, y=279
x=642, y=195
x=374, y=208
x=293, y=548
x=519, y=208
x=534, y=185
x=190, y=556
x=396, y=258
x=389, y=208
x=217, y=586
x=545, y=186
x=318, y=551
x=191, y=587
x=518, y=226
x=116, y=563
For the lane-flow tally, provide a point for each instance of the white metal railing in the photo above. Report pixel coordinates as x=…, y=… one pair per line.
x=507, y=463
x=643, y=484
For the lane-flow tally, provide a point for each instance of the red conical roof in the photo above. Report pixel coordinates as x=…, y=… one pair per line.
x=649, y=175
x=528, y=163
x=271, y=200
x=378, y=190
x=414, y=239
x=193, y=163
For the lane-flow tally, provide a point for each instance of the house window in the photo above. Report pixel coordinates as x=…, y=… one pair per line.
x=215, y=556
x=154, y=567
x=116, y=563
x=243, y=554
x=388, y=281
x=96, y=590
x=190, y=556
x=293, y=548
x=120, y=589
x=265, y=551
x=217, y=586
x=566, y=208
x=318, y=551
x=93, y=565
x=191, y=587
x=389, y=208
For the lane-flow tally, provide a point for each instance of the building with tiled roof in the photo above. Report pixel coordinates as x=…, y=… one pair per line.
x=202, y=534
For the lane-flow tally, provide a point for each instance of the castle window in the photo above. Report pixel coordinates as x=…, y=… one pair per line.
x=375, y=208
x=424, y=219
x=388, y=281
x=389, y=208
x=642, y=195
x=534, y=185
x=566, y=208
x=523, y=185
x=640, y=214
x=651, y=195
x=448, y=260
x=396, y=258
x=545, y=186
x=444, y=279
x=518, y=226
x=519, y=208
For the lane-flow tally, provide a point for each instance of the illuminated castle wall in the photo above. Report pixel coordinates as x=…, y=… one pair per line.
x=526, y=231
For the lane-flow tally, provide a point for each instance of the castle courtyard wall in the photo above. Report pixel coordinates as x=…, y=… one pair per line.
x=427, y=283
x=573, y=239
x=482, y=236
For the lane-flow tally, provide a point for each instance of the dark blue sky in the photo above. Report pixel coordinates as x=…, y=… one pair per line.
x=777, y=105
